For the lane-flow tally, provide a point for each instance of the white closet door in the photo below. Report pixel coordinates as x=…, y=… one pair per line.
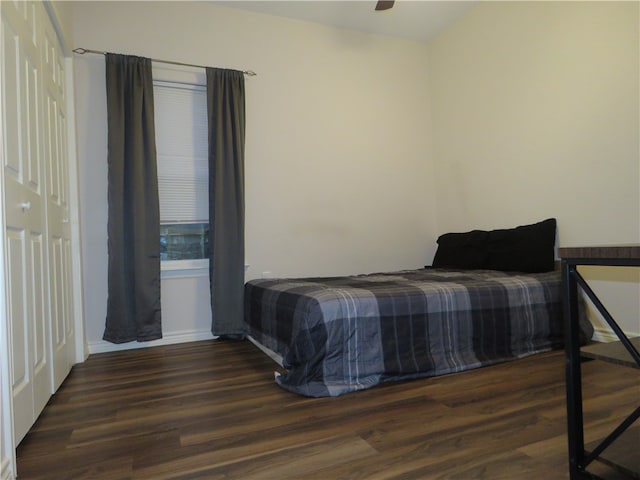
x=27, y=310
x=57, y=207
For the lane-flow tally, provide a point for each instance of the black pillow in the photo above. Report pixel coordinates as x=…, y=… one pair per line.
x=462, y=250
x=527, y=248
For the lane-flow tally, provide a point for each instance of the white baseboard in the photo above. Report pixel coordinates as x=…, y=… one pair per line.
x=606, y=335
x=167, y=339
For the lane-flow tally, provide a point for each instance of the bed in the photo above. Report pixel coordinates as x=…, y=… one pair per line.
x=343, y=334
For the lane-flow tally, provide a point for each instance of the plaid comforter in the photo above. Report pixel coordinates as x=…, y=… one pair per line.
x=338, y=335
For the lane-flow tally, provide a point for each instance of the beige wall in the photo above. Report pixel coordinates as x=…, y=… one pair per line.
x=362, y=149
x=535, y=111
x=338, y=167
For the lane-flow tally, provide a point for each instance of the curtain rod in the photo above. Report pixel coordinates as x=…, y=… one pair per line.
x=82, y=51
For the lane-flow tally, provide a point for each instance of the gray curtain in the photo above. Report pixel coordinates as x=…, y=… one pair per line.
x=133, y=305
x=226, y=113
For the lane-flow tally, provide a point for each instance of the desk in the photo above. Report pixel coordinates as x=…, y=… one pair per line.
x=624, y=352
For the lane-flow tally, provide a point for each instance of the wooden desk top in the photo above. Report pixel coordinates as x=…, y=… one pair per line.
x=628, y=252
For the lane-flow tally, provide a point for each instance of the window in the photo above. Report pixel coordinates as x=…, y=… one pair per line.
x=184, y=241
x=182, y=150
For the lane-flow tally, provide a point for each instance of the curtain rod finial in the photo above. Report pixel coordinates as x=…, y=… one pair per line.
x=82, y=51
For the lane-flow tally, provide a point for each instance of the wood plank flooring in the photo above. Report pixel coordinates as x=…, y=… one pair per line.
x=211, y=410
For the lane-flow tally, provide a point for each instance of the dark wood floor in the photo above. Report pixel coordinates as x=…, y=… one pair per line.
x=210, y=410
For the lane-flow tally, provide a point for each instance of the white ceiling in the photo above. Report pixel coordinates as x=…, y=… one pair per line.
x=418, y=20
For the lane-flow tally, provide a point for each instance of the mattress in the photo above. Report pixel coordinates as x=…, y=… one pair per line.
x=343, y=334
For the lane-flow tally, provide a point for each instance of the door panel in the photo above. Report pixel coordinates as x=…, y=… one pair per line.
x=31, y=123
x=18, y=332
x=38, y=314
x=57, y=207
x=10, y=66
x=25, y=213
x=17, y=313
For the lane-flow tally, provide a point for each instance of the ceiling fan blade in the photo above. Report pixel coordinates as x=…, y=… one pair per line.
x=384, y=4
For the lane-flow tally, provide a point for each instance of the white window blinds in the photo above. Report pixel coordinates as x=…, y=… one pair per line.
x=182, y=144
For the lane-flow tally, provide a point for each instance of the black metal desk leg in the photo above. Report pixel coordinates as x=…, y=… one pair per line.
x=575, y=430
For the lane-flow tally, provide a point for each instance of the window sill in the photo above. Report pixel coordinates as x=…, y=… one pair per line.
x=184, y=268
